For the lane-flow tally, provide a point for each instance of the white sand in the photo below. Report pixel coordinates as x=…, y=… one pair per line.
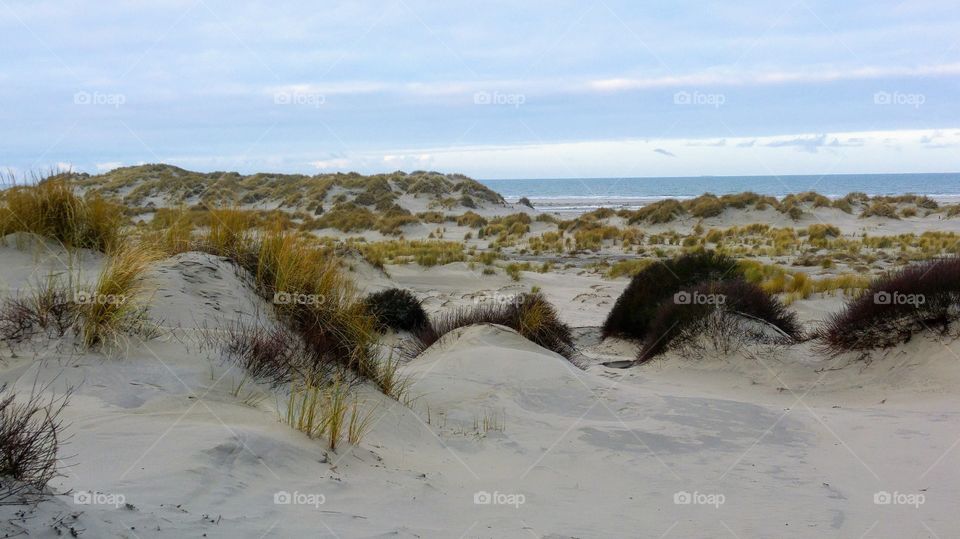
x=792, y=445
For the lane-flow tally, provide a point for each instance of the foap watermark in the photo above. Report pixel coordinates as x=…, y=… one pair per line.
x=91, y=497
x=84, y=97
x=684, y=97
x=698, y=498
x=85, y=297
x=308, y=99
x=499, y=498
x=282, y=497
x=698, y=298
x=498, y=297
x=899, y=498
x=295, y=298
x=899, y=98
x=897, y=298
x=499, y=98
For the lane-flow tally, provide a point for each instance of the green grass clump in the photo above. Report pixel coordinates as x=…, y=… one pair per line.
x=627, y=268
x=347, y=217
x=426, y=253
x=113, y=307
x=51, y=208
x=880, y=209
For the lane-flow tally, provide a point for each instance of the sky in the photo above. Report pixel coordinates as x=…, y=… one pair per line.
x=490, y=89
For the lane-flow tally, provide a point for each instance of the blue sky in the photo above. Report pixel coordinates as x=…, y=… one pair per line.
x=491, y=89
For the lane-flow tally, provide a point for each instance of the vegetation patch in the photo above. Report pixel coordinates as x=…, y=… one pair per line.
x=921, y=297
x=636, y=307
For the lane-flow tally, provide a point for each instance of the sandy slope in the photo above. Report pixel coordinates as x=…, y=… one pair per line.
x=791, y=445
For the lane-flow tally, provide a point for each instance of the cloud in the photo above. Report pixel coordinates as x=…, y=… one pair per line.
x=408, y=162
x=712, y=143
x=734, y=78
x=338, y=163
x=108, y=166
x=664, y=152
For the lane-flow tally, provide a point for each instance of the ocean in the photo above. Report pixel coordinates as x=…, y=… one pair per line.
x=585, y=194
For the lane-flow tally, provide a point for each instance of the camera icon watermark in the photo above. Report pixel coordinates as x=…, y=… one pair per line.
x=899, y=98
x=308, y=99
x=483, y=497
x=91, y=497
x=84, y=97
x=283, y=497
x=296, y=298
x=499, y=98
x=897, y=298
x=899, y=498
x=697, y=298
x=684, y=97
x=85, y=297
x=498, y=297
x=698, y=498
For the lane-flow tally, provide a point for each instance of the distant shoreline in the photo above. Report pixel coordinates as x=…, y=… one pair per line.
x=585, y=194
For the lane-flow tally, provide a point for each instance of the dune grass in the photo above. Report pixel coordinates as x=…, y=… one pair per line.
x=327, y=410
x=51, y=208
x=426, y=253
x=114, y=306
x=918, y=298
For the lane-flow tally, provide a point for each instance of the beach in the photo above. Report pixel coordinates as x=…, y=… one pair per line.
x=170, y=433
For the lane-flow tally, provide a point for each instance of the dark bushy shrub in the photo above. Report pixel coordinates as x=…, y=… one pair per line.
x=895, y=307
x=396, y=309
x=681, y=316
x=636, y=307
x=48, y=307
x=531, y=315
x=30, y=435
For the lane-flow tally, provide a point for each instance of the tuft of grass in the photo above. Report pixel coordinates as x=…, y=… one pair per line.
x=880, y=209
x=628, y=268
x=326, y=409
x=171, y=232
x=359, y=423
x=426, y=253
x=230, y=231
x=113, y=307
x=51, y=208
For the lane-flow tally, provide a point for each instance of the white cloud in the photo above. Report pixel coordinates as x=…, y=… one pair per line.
x=339, y=163
x=735, y=78
x=108, y=166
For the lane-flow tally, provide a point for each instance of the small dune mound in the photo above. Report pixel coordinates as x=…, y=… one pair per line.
x=730, y=313
x=672, y=303
x=466, y=370
x=530, y=315
x=922, y=297
x=196, y=289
